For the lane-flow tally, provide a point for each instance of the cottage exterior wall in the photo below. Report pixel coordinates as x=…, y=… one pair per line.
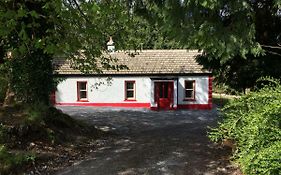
x=112, y=91
x=201, y=90
x=103, y=92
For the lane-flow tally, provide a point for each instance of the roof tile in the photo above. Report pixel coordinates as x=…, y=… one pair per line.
x=146, y=62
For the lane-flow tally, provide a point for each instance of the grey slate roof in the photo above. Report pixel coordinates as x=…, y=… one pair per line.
x=146, y=62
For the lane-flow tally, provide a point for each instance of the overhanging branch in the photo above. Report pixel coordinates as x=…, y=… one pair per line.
x=272, y=47
x=274, y=53
x=80, y=11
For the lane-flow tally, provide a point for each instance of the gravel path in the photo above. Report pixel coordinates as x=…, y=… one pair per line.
x=151, y=142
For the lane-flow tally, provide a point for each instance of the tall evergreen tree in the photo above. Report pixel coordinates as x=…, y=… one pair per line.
x=240, y=39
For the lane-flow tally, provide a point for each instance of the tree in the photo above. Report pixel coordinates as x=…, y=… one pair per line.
x=25, y=28
x=241, y=73
x=37, y=31
x=240, y=39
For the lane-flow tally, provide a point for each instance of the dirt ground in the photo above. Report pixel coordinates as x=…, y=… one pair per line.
x=46, y=145
x=151, y=142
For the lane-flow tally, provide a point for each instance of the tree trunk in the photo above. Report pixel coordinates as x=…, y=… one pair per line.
x=10, y=97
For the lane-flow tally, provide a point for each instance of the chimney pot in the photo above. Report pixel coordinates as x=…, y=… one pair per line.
x=110, y=45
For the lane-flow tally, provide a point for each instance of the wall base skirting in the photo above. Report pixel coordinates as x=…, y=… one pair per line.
x=138, y=105
x=195, y=106
x=127, y=105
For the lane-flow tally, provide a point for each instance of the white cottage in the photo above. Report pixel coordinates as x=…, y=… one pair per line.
x=155, y=79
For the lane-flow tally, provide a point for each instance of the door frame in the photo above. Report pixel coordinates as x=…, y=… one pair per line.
x=171, y=94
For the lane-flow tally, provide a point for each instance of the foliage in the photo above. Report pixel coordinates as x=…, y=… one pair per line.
x=221, y=100
x=37, y=31
x=31, y=77
x=36, y=113
x=241, y=71
x=29, y=35
x=222, y=88
x=2, y=133
x=3, y=85
x=9, y=161
x=240, y=39
x=214, y=26
x=254, y=123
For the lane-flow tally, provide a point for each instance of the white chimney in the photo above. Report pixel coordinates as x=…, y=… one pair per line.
x=110, y=45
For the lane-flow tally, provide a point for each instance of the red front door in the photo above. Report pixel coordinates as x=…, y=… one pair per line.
x=164, y=94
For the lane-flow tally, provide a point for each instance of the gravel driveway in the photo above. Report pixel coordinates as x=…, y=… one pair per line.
x=151, y=142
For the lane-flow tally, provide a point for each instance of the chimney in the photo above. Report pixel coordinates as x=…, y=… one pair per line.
x=110, y=45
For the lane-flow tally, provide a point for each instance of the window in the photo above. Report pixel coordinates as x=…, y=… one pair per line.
x=130, y=90
x=189, y=90
x=82, y=94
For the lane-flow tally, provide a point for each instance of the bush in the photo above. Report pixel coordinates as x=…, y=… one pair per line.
x=9, y=161
x=254, y=123
x=36, y=113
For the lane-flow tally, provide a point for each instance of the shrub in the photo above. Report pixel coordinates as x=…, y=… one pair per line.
x=36, y=112
x=9, y=162
x=254, y=123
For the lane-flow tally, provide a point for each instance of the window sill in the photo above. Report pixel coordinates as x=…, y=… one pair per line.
x=82, y=101
x=130, y=100
x=189, y=99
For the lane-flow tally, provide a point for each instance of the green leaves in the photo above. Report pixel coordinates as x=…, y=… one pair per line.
x=254, y=121
x=211, y=4
x=277, y=4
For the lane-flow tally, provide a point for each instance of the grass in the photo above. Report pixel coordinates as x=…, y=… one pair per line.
x=222, y=100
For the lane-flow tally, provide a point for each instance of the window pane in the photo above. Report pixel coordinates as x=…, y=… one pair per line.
x=165, y=90
x=189, y=94
x=83, y=94
x=130, y=85
x=82, y=85
x=189, y=84
x=130, y=94
x=161, y=95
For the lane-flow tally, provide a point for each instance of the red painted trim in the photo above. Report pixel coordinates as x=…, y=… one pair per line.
x=137, y=105
x=133, y=105
x=194, y=106
x=125, y=89
x=82, y=101
x=210, y=91
x=154, y=108
x=78, y=91
x=130, y=100
x=157, y=108
x=194, y=92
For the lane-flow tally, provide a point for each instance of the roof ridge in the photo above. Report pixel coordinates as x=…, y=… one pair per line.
x=160, y=50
